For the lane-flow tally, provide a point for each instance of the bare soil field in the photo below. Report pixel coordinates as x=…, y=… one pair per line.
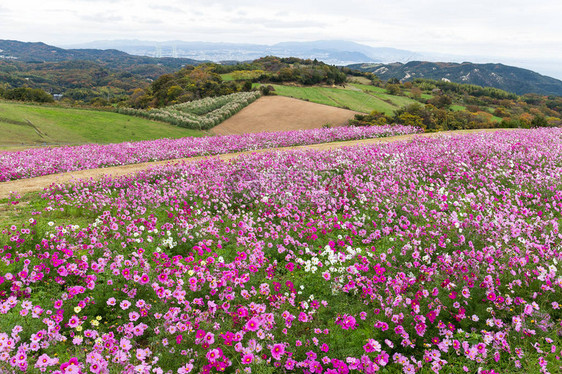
x=278, y=113
x=23, y=186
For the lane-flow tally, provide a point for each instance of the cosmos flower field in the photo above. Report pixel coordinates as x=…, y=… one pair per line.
x=36, y=162
x=433, y=255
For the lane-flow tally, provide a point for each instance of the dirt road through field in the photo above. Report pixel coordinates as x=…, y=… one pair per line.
x=23, y=186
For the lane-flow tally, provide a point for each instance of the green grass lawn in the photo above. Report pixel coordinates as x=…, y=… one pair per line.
x=57, y=125
x=457, y=108
x=352, y=97
x=368, y=87
x=398, y=101
x=239, y=75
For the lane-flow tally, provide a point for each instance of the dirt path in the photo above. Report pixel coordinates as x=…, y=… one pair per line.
x=272, y=113
x=23, y=186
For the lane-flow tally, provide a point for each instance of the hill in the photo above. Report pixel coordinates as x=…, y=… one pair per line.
x=110, y=58
x=433, y=105
x=28, y=125
x=507, y=78
x=80, y=75
x=357, y=97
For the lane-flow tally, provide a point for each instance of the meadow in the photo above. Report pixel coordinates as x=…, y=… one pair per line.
x=438, y=255
x=44, y=161
x=29, y=124
x=358, y=97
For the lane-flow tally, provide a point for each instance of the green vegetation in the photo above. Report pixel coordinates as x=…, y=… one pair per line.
x=199, y=114
x=434, y=105
x=395, y=100
x=457, y=108
x=34, y=124
x=349, y=98
x=242, y=75
x=273, y=69
x=79, y=82
x=188, y=84
x=26, y=94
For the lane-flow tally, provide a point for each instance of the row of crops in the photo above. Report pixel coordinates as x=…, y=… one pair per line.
x=36, y=162
x=199, y=114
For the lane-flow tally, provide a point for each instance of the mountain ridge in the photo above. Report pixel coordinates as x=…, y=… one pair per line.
x=497, y=75
x=42, y=52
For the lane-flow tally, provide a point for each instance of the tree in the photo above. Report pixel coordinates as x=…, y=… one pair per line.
x=140, y=99
x=375, y=118
x=28, y=94
x=539, y=121
x=416, y=93
x=393, y=89
x=441, y=101
x=174, y=92
x=247, y=86
x=408, y=119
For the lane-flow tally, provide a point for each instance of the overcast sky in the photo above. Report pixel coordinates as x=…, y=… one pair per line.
x=498, y=29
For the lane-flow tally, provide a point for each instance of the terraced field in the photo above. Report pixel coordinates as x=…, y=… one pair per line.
x=357, y=97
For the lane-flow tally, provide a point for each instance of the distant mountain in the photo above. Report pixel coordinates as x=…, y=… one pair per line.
x=508, y=78
x=80, y=74
x=335, y=52
x=151, y=59
x=111, y=58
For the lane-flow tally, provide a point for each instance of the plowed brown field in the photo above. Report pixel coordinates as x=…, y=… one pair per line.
x=278, y=113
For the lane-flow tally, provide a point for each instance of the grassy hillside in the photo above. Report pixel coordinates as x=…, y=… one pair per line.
x=358, y=97
x=35, y=125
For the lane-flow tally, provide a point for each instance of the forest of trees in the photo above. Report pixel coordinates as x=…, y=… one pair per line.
x=454, y=106
x=26, y=94
x=289, y=69
x=188, y=84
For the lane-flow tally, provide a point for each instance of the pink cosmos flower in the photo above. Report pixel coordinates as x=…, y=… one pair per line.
x=213, y=355
x=125, y=304
x=73, y=321
x=277, y=351
x=253, y=324
x=247, y=359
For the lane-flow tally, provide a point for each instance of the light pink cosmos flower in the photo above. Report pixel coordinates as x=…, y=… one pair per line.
x=73, y=321
x=125, y=304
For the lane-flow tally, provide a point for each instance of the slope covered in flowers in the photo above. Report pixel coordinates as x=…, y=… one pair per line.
x=437, y=255
x=44, y=161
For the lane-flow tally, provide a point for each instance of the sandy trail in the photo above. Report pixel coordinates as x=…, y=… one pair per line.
x=23, y=186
